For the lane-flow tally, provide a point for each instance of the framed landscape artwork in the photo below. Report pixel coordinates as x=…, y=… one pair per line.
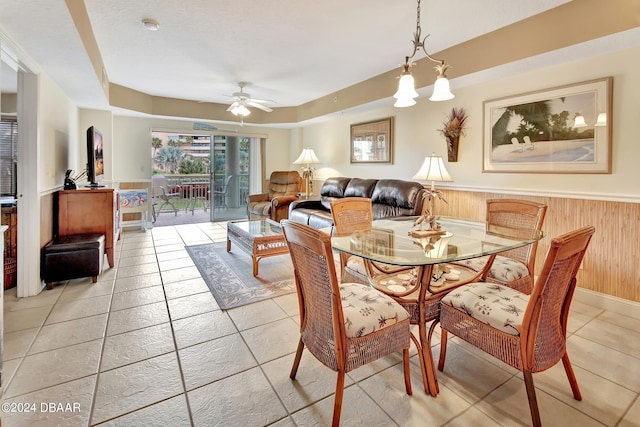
x=559, y=130
x=372, y=142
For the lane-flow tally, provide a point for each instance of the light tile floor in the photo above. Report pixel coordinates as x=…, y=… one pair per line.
x=147, y=345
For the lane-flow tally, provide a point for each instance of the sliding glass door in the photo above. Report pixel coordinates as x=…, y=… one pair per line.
x=230, y=174
x=210, y=174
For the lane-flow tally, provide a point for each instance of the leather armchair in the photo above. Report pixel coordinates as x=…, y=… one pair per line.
x=283, y=189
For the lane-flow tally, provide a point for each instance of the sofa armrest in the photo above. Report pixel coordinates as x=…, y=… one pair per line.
x=283, y=200
x=252, y=198
x=308, y=204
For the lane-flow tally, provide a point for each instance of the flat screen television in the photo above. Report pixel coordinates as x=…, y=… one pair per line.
x=95, y=157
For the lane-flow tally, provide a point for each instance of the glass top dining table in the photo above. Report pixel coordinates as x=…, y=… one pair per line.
x=416, y=287
x=389, y=242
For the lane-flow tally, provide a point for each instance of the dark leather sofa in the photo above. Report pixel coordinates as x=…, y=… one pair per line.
x=389, y=198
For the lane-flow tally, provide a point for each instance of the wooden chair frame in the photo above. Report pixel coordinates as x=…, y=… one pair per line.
x=542, y=340
x=514, y=218
x=322, y=322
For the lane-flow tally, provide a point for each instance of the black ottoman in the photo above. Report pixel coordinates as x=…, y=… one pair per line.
x=72, y=257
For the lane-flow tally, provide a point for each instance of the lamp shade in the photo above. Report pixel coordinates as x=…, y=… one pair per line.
x=441, y=90
x=602, y=120
x=433, y=169
x=307, y=157
x=406, y=87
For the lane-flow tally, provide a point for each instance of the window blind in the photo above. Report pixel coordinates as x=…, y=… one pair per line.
x=8, y=157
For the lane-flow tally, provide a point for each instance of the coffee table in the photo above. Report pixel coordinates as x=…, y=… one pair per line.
x=260, y=238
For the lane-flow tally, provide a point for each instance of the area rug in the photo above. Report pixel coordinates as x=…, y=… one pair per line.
x=229, y=275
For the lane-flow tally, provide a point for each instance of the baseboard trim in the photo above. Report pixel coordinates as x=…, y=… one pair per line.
x=608, y=302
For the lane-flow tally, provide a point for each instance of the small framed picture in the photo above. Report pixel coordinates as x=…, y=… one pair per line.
x=372, y=142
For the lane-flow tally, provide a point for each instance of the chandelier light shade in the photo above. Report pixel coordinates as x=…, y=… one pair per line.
x=406, y=93
x=441, y=90
x=307, y=158
x=406, y=90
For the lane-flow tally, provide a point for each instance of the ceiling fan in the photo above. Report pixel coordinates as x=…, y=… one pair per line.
x=242, y=100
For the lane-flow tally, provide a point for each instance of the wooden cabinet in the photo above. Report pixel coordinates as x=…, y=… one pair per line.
x=90, y=211
x=10, y=219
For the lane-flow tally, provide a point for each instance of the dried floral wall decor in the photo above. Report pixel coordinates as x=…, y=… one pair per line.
x=453, y=129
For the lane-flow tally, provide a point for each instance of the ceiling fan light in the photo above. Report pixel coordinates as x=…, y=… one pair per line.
x=441, y=90
x=240, y=110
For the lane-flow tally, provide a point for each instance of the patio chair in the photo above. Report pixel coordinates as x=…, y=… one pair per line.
x=199, y=194
x=220, y=196
x=346, y=325
x=162, y=195
x=525, y=332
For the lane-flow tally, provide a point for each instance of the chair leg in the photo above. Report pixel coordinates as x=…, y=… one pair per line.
x=443, y=349
x=296, y=361
x=573, y=382
x=337, y=404
x=407, y=371
x=531, y=394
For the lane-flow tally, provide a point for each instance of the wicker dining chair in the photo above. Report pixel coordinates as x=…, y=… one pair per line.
x=346, y=325
x=512, y=218
x=351, y=215
x=527, y=332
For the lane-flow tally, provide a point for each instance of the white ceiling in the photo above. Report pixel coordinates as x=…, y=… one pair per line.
x=290, y=51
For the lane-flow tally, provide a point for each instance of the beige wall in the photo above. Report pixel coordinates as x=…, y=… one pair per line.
x=8, y=103
x=610, y=202
x=416, y=134
x=103, y=121
x=57, y=135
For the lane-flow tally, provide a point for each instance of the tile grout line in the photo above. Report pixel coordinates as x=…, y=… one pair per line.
x=173, y=336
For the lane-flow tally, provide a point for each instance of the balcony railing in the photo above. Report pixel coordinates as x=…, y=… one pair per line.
x=184, y=183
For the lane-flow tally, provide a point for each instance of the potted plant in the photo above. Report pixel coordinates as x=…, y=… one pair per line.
x=452, y=130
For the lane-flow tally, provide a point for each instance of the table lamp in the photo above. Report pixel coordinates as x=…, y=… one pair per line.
x=307, y=158
x=433, y=170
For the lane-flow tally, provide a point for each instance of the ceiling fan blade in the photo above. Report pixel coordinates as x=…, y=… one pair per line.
x=252, y=103
x=263, y=101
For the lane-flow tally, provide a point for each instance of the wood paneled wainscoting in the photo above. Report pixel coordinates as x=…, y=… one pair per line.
x=611, y=264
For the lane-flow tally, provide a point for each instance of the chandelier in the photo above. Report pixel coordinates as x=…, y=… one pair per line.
x=406, y=93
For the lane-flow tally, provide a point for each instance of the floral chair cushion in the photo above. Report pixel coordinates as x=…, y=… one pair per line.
x=498, y=306
x=504, y=269
x=367, y=310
